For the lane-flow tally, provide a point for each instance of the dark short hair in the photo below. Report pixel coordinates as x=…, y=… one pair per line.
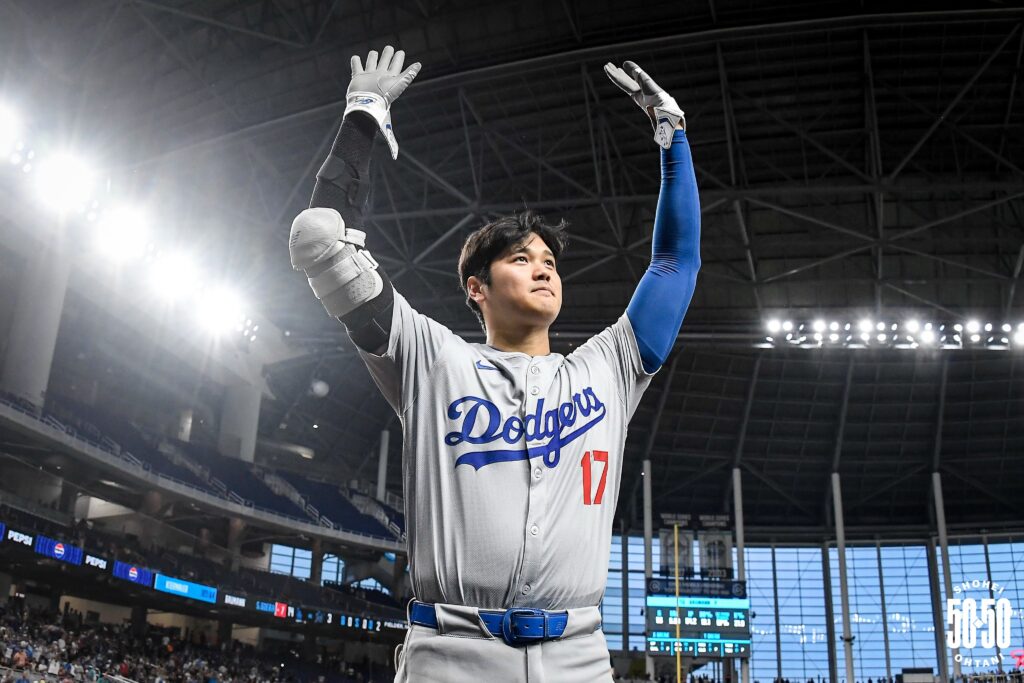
x=488, y=243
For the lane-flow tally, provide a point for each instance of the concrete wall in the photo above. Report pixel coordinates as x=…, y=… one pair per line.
x=30, y=483
x=109, y=614
x=183, y=623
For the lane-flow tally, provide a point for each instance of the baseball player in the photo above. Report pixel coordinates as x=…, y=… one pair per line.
x=512, y=454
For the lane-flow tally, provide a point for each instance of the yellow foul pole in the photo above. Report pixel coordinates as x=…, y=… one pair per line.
x=679, y=614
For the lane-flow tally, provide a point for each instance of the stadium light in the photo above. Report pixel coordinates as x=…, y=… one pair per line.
x=173, y=277
x=819, y=325
x=121, y=234
x=927, y=336
x=1018, y=336
x=774, y=326
x=10, y=131
x=973, y=326
x=865, y=325
x=787, y=326
x=912, y=326
x=64, y=182
x=219, y=310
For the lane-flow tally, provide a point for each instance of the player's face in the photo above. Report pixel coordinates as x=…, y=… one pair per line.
x=525, y=287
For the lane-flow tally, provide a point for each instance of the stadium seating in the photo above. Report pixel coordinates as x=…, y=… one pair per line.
x=98, y=426
x=240, y=478
x=330, y=501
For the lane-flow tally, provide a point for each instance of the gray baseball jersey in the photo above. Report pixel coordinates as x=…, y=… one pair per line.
x=511, y=463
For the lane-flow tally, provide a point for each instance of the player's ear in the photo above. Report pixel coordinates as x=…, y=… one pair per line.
x=475, y=289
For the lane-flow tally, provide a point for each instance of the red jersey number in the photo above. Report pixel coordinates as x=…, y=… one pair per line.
x=589, y=458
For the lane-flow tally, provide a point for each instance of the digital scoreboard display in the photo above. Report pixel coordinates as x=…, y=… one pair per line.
x=709, y=626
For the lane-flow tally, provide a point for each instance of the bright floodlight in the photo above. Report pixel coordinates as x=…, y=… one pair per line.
x=1018, y=337
x=819, y=325
x=219, y=310
x=121, y=234
x=10, y=130
x=64, y=182
x=834, y=326
x=774, y=325
x=928, y=336
x=912, y=326
x=173, y=276
x=865, y=325
x=787, y=326
x=973, y=326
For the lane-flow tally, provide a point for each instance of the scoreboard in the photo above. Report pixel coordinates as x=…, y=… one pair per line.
x=713, y=626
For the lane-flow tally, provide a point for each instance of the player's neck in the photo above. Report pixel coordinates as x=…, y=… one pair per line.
x=531, y=341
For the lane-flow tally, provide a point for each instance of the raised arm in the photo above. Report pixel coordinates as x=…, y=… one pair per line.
x=328, y=240
x=661, y=298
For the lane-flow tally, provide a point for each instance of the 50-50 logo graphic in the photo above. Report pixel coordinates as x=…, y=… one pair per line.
x=972, y=623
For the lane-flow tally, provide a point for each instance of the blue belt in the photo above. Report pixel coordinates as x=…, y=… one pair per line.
x=516, y=626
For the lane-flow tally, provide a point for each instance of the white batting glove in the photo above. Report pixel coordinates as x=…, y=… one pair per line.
x=661, y=107
x=374, y=87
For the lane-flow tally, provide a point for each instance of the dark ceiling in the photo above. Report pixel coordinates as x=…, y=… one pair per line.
x=854, y=159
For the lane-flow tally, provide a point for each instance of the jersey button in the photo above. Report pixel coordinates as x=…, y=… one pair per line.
x=534, y=390
x=537, y=473
x=526, y=589
x=534, y=529
x=534, y=370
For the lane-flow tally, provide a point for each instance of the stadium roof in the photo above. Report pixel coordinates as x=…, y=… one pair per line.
x=856, y=160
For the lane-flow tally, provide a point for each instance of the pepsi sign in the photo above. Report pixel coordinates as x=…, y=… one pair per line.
x=18, y=537
x=94, y=561
x=130, y=572
x=58, y=550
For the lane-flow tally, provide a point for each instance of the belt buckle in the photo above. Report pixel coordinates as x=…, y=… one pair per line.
x=508, y=630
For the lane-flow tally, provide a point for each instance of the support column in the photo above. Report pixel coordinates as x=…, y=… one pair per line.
x=239, y=421
x=139, y=613
x=648, y=542
x=183, y=428
x=992, y=596
x=316, y=565
x=741, y=565
x=947, y=571
x=235, y=535
x=624, y=547
x=885, y=615
x=224, y=631
x=940, y=515
x=36, y=321
x=778, y=619
x=6, y=581
x=68, y=497
x=382, y=465
x=830, y=615
x=937, y=620
x=844, y=593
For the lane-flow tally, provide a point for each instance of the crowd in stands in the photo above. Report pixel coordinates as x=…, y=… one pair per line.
x=36, y=646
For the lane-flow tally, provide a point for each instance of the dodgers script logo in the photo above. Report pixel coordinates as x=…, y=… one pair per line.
x=545, y=431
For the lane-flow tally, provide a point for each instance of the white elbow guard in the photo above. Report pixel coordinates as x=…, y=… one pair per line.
x=341, y=272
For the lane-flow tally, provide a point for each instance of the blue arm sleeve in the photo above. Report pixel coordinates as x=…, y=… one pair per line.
x=661, y=298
